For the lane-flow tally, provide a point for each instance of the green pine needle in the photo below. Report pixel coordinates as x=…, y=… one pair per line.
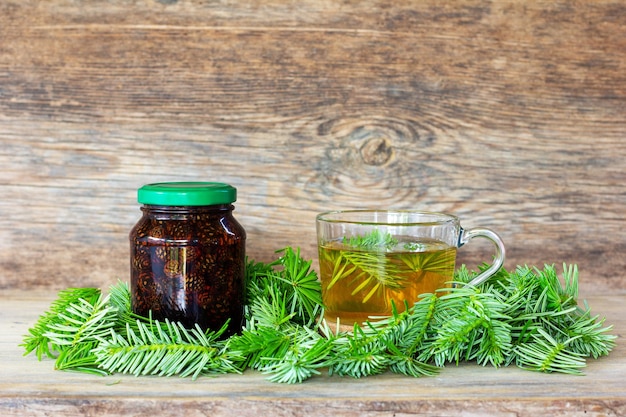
x=358, y=355
x=529, y=317
x=373, y=239
x=545, y=354
x=166, y=349
x=404, y=363
x=305, y=354
x=291, y=279
x=80, y=358
x=81, y=322
x=37, y=340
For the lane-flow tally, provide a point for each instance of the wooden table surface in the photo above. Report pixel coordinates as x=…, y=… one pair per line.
x=32, y=388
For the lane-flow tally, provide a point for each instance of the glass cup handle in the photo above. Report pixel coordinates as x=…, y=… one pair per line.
x=467, y=235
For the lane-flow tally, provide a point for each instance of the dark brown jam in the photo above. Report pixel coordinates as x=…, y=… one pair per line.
x=188, y=265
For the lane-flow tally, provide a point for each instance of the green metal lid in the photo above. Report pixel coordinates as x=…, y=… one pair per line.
x=186, y=194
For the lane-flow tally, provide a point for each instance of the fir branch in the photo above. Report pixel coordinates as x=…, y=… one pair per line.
x=555, y=296
x=72, y=326
x=81, y=322
x=374, y=239
x=270, y=310
x=378, y=271
x=306, y=353
x=439, y=261
x=292, y=279
x=288, y=354
x=119, y=297
x=36, y=340
x=406, y=364
x=257, y=343
x=470, y=325
x=545, y=354
x=393, y=341
x=587, y=334
x=407, y=330
x=303, y=290
x=528, y=317
x=166, y=349
x=79, y=358
x=341, y=269
x=358, y=354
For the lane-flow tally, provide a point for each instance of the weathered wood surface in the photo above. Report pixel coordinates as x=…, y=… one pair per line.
x=30, y=388
x=510, y=114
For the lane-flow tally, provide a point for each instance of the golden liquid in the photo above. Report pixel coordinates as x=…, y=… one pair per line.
x=357, y=284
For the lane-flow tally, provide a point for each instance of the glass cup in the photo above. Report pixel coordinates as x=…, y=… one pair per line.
x=371, y=258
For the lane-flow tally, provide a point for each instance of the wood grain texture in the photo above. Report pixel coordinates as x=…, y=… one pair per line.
x=510, y=114
x=31, y=388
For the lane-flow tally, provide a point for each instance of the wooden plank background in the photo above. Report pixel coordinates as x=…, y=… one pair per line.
x=510, y=114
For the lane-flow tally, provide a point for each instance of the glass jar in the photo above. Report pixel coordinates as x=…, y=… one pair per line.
x=188, y=255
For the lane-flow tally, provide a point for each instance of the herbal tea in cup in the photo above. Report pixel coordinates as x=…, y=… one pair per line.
x=371, y=258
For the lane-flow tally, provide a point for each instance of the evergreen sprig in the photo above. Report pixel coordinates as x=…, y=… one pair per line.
x=373, y=239
x=37, y=340
x=166, y=349
x=287, y=281
x=469, y=324
x=528, y=317
x=68, y=331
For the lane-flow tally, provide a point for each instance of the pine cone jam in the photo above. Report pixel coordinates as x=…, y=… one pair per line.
x=187, y=256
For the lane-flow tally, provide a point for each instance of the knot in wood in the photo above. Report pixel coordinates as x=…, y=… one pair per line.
x=376, y=151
